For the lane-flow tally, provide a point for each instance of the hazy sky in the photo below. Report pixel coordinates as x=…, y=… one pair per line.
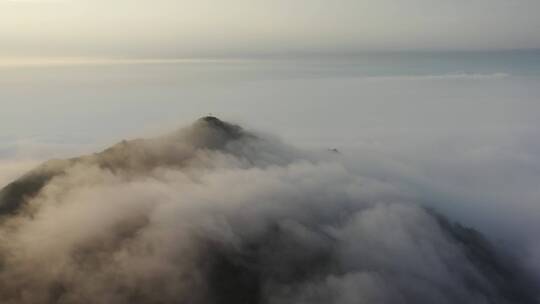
x=176, y=28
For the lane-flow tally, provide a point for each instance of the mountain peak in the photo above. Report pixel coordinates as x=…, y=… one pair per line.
x=231, y=131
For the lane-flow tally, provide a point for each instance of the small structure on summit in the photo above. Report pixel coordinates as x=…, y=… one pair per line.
x=334, y=150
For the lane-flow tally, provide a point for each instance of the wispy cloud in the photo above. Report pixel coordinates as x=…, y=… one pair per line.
x=215, y=214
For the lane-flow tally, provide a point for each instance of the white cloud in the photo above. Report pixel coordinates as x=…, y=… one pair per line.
x=196, y=217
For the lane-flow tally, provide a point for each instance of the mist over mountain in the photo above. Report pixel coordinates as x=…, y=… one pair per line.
x=214, y=213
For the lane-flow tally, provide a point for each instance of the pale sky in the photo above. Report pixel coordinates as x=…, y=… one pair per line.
x=192, y=28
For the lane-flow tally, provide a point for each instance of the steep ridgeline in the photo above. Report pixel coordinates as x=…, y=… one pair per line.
x=132, y=157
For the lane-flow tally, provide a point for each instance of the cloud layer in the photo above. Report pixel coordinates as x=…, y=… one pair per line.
x=215, y=214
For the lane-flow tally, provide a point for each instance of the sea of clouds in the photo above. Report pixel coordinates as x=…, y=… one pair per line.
x=213, y=213
x=413, y=145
